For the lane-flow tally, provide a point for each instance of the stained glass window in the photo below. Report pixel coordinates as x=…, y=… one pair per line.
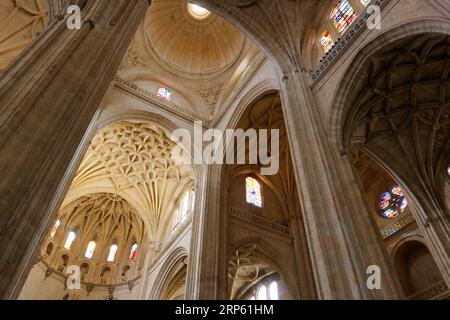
x=326, y=41
x=112, y=252
x=133, y=252
x=342, y=15
x=392, y=203
x=448, y=170
x=55, y=228
x=365, y=2
x=165, y=94
x=253, y=192
x=70, y=239
x=90, y=250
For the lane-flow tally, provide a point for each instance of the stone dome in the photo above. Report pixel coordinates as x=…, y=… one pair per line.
x=189, y=46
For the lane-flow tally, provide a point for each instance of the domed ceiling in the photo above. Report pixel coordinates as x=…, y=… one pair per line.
x=191, y=42
x=199, y=56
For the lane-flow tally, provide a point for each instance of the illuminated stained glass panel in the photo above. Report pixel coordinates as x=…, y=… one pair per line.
x=70, y=239
x=326, y=41
x=165, y=94
x=392, y=203
x=253, y=189
x=342, y=15
x=112, y=252
x=133, y=252
x=55, y=228
x=448, y=170
x=90, y=250
x=365, y=2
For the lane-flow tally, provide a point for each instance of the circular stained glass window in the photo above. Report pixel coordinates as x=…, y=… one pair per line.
x=392, y=203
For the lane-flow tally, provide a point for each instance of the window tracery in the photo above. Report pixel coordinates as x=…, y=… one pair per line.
x=342, y=15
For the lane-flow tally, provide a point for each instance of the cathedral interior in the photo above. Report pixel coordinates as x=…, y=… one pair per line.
x=89, y=185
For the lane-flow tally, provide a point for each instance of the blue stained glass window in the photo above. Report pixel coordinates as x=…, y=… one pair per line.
x=253, y=192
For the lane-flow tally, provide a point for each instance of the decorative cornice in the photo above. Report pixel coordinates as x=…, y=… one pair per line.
x=260, y=220
x=49, y=270
x=347, y=38
x=397, y=226
x=152, y=99
x=439, y=291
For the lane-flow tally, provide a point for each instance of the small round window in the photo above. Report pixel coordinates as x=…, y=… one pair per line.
x=392, y=203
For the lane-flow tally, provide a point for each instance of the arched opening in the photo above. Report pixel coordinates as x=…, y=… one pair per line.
x=263, y=206
x=419, y=274
x=279, y=49
x=107, y=233
x=254, y=275
x=175, y=286
x=384, y=127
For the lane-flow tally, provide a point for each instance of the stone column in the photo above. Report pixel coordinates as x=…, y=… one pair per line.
x=154, y=248
x=343, y=238
x=48, y=97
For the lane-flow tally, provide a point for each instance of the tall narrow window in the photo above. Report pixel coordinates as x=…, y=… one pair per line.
x=133, y=252
x=184, y=206
x=253, y=192
x=262, y=293
x=342, y=15
x=326, y=41
x=273, y=291
x=448, y=170
x=70, y=239
x=112, y=253
x=55, y=228
x=192, y=200
x=90, y=250
x=165, y=94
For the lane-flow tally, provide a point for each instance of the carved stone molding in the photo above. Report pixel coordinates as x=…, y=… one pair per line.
x=259, y=220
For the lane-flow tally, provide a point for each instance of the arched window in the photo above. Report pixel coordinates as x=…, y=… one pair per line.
x=70, y=239
x=55, y=228
x=253, y=189
x=90, y=250
x=326, y=41
x=342, y=15
x=112, y=252
x=133, y=252
x=273, y=291
x=365, y=2
x=165, y=94
x=266, y=291
x=262, y=293
x=392, y=203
